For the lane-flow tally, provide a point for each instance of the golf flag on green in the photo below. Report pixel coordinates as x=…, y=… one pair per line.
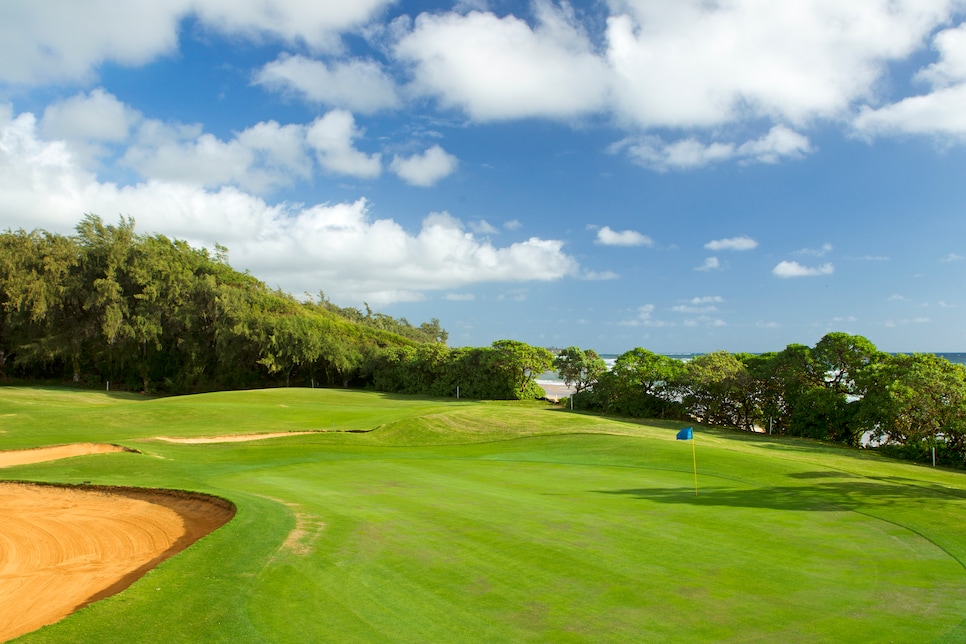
x=687, y=434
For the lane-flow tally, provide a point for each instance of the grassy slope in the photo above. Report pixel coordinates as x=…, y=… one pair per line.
x=456, y=521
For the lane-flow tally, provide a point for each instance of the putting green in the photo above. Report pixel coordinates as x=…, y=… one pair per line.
x=520, y=550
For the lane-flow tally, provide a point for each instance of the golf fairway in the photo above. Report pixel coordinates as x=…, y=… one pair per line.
x=429, y=520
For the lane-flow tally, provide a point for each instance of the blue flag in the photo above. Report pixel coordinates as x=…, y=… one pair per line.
x=685, y=434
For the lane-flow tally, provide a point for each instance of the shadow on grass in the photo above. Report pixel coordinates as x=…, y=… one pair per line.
x=826, y=496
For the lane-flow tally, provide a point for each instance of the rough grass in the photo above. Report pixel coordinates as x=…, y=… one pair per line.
x=458, y=521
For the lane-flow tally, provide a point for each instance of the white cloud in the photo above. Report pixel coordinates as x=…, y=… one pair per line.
x=894, y=323
x=500, y=68
x=703, y=305
x=89, y=124
x=260, y=159
x=692, y=63
x=686, y=308
x=357, y=85
x=938, y=112
x=686, y=154
x=815, y=252
x=761, y=324
x=96, y=116
x=338, y=247
x=425, y=169
x=513, y=224
x=316, y=24
x=608, y=237
x=788, y=269
x=644, y=317
x=950, y=69
x=707, y=299
x=331, y=136
x=47, y=41
x=483, y=227
x=953, y=257
x=710, y=264
x=459, y=297
x=740, y=243
x=598, y=276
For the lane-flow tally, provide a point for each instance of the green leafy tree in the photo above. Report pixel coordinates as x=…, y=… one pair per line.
x=717, y=387
x=641, y=384
x=579, y=368
x=916, y=400
x=521, y=364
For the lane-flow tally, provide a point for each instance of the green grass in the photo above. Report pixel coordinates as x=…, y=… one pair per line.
x=490, y=522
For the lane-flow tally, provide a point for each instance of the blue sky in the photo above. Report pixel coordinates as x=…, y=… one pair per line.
x=680, y=175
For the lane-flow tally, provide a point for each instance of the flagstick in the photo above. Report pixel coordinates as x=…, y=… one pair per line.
x=695, y=458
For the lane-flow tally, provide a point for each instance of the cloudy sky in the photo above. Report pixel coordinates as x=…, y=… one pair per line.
x=681, y=175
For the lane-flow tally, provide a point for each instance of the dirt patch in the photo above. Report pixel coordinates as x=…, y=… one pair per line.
x=229, y=438
x=9, y=458
x=64, y=547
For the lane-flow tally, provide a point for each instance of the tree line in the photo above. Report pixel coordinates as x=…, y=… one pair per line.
x=148, y=313
x=842, y=390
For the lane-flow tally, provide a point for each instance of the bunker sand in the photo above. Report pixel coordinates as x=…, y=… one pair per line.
x=62, y=548
x=9, y=458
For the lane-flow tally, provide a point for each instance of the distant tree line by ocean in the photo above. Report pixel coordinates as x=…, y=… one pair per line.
x=147, y=313
x=842, y=390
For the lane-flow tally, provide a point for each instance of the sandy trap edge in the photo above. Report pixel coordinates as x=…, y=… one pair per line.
x=198, y=515
x=31, y=455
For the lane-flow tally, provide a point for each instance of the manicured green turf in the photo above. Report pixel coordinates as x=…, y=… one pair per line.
x=459, y=521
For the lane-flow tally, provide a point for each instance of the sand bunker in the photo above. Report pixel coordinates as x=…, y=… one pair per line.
x=229, y=438
x=62, y=548
x=9, y=458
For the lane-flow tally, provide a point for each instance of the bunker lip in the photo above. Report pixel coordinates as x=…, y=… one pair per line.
x=67, y=546
x=231, y=438
x=29, y=456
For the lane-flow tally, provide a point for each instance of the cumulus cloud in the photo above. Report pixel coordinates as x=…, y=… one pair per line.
x=686, y=154
x=816, y=252
x=740, y=243
x=48, y=41
x=644, y=317
x=788, y=269
x=357, y=85
x=425, y=169
x=700, y=306
x=497, y=68
x=332, y=136
x=701, y=64
x=608, y=237
x=260, y=159
x=938, y=112
x=89, y=123
x=598, y=276
x=710, y=264
x=340, y=247
x=97, y=115
x=316, y=24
